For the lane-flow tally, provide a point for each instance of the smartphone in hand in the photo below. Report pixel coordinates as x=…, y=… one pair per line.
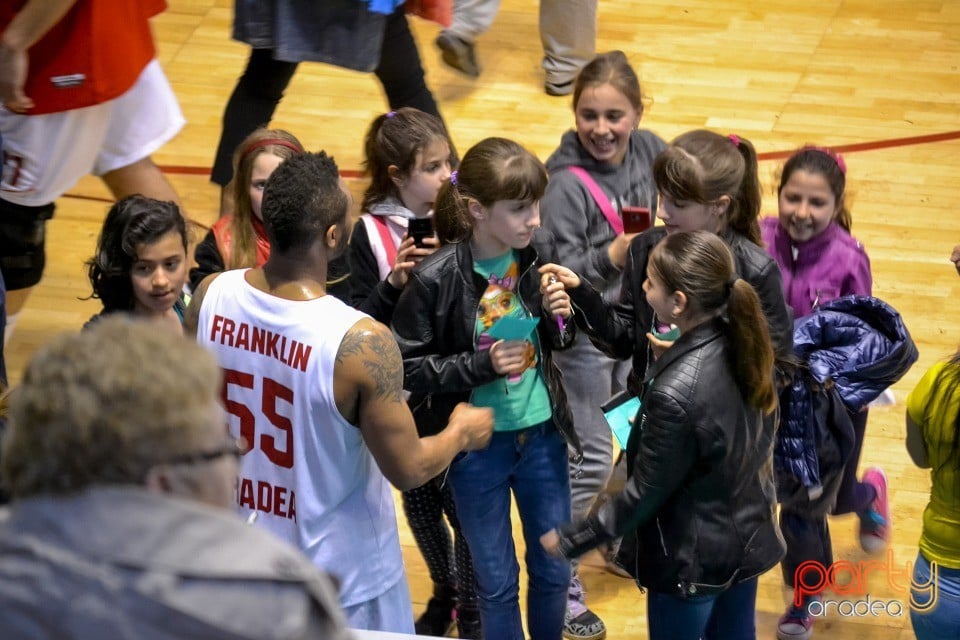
x=636, y=219
x=418, y=229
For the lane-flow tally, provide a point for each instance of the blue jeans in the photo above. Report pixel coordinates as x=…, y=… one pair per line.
x=532, y=463
x=942, y=622
x=725, y=616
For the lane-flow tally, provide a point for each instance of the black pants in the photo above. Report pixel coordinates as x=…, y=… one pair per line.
x=260, y=88
x=807, y=536
x=425, y=507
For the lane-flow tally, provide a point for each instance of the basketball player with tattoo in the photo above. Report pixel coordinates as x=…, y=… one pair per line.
x=316, y=390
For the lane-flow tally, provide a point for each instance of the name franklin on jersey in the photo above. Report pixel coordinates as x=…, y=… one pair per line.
x=240, y=335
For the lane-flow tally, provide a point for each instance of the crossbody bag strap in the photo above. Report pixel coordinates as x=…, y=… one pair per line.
x=599, y=197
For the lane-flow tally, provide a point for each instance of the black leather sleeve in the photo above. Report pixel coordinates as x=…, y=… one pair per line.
x=666, y=453
x=769, y=287
x=427, y=365
x=609, y=327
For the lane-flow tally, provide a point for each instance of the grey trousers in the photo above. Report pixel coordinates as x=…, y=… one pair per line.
x=568, y=32
x=590, y=378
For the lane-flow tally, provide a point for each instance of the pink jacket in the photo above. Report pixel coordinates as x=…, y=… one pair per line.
x=830, y=266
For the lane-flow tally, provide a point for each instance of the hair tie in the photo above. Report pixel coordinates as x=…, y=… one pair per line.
x=730, y=282
x=453, y=178
x=390, y=114
x=834, y=155
x=735, y=139
x=267, y=142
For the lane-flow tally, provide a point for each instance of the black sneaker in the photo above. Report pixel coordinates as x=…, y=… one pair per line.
x=579, y=623
x=440, y=615
x=468, y=623
x=458, y=54
x=586, y=626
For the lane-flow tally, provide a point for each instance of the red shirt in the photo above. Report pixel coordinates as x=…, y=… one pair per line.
x=94, y=54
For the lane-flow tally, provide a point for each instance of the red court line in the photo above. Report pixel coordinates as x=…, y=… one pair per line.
x=80, y=196
x=873, y=145
x=204, y=171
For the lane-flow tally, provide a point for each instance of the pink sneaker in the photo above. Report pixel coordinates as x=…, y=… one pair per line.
x=796, y=623
x=875, y=521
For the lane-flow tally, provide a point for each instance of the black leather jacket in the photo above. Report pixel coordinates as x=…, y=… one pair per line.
x=435, y=326
x=620, y=330
x=700, y=497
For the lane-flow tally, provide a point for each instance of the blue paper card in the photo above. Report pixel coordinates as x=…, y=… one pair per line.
x=620, y=419
x=510, y=328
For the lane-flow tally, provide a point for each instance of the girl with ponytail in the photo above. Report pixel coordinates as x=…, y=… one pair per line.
x=698, y=514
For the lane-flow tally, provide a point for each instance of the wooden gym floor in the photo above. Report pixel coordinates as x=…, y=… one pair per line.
x=878, y=80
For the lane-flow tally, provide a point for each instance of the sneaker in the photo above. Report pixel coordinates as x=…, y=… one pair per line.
x=468, y=622
x=586, y=626
x=875, y=521
x=796, y=623
x=458, y=54
x=558, y=88
x=579, y=623
x=440, y=615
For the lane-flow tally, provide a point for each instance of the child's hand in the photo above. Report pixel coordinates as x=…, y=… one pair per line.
x=550, y=541
x=617, y=249
x=658, y=345
x=408, y=256
x=509, y=357
x=555, y=299
x=564, y=276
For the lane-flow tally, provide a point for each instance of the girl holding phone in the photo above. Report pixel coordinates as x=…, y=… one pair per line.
x=408, y=155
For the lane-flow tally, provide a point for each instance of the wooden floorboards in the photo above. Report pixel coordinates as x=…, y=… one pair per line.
x=780, y=73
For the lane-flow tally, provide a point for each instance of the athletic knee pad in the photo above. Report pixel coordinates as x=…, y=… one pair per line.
x=22, y=243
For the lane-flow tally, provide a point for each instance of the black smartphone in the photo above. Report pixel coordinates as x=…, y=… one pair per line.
x=420, y=228
x=636, y=219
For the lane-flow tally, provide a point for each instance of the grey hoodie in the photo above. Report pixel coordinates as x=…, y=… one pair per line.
x=568, y=210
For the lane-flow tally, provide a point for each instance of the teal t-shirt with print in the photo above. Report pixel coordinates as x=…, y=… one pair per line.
x=518, y=401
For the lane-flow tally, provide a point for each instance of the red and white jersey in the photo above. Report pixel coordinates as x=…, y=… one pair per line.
x=308, y=473
x=93, y=54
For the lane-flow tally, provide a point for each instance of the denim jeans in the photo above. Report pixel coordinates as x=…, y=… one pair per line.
x=532, y=463
x=942, y=622
x=725, y=616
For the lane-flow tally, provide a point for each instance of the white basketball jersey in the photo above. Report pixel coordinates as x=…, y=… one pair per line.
x=308, y=473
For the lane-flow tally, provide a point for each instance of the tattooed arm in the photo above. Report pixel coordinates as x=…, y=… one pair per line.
x=368, y=384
